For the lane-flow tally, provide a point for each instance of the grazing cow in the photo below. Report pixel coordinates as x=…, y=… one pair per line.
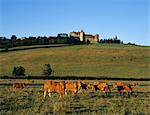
x=135, y=84
x=82, y=86
x=95, y=87
x=18, y=85
x=123, y=87
x=54, y=87
x=71, y=87
x=102, y=86
x=29, y=81
x=91, y=86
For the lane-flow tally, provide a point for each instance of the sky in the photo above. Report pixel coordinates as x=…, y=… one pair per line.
x=128, y=19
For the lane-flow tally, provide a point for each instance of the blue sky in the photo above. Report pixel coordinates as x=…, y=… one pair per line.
x=128, y=19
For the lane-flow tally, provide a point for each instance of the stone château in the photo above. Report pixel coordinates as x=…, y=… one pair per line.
x=85, y=37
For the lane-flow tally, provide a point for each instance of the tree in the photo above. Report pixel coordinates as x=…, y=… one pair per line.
x=13, y=37
x=88, y=41
x=18, y=71
x=13, y=40
x=47, y=70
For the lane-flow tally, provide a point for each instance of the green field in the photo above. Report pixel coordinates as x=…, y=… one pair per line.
x=81, y=60
x=29, y=101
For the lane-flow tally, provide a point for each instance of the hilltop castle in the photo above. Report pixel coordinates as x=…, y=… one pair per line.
x=85, y=37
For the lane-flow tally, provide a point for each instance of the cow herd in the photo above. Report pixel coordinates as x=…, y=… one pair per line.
x=74, y=87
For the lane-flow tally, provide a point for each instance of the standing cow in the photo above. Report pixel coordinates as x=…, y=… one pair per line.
x=123, y=87
x=82, y=86
x=101, y=85
x=54, y=87
x=71, y=86
x=18, y=86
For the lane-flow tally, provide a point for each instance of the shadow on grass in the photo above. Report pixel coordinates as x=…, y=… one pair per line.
x=35, y=47
x=76, y=78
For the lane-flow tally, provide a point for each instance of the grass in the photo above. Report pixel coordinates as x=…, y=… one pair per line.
x=30, y=102
x=81, y=60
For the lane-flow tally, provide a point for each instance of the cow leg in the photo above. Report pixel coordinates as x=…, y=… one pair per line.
x=49, y=94
x=102, y=93
x=44, y=94
x=60, y=95
x=79, y=90
x=120, y=93
x=129, y=94
x=74, y=92
x=99, y=94
x=14, y=90
x=83, y=92
x=65, y=92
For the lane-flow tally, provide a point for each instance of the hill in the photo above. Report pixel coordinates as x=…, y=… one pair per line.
x=81, y=60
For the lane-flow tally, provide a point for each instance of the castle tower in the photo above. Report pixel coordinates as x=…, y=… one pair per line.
x=82, y=36
x=96, y=38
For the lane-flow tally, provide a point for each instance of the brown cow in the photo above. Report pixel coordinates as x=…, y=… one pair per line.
x=102, y=86
x=135, y=84
x=18, y=85
x=54, y=87
x=82, y=86
x=71, y=87
x=123, y=87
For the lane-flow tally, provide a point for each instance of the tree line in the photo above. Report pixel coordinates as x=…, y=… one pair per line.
x=111, y=40
x=61, y=38
x=40, y=40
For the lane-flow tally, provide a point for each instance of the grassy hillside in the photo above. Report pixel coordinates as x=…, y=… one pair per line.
x=81, y=60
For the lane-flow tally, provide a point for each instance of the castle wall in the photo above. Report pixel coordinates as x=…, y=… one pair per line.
x=84, y=37
x=91, y=38
x=75, y=34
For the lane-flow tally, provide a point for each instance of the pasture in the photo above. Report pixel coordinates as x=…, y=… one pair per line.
x=107, y=60
x=29, y=101
x=94, y=60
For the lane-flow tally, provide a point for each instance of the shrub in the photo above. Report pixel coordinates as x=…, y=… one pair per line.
x=18, y=71
x=47, y=70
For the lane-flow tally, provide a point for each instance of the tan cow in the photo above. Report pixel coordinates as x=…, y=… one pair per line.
x=54, y=87
x=103, y=86
x=29, y=81
x=71, y=87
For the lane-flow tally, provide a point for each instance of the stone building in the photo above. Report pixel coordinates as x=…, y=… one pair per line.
x=85, y=37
